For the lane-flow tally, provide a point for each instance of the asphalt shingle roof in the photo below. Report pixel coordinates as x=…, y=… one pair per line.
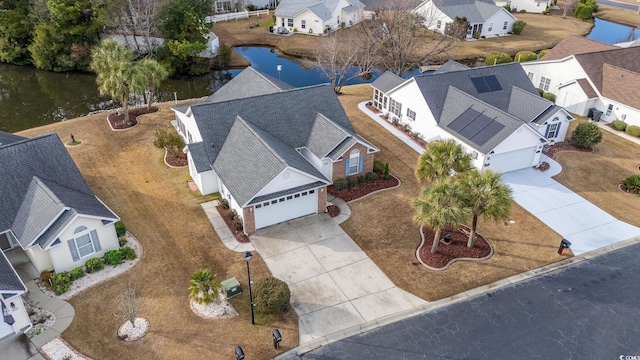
x=247, y=83
x=526, y=105
x=321, y=8
x=451, y=65
x=324, y=136
x=8, y=138
x=9, y=279
x=476, y=11
x=59, y=183
x=387, y=81
x=587, y=88
x=573, y=45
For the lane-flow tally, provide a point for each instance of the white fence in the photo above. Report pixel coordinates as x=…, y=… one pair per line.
x=235, y=16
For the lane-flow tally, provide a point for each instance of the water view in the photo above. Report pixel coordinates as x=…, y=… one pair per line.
x=612, y=33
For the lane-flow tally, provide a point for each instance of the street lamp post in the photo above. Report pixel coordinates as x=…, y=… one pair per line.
x=247, y=257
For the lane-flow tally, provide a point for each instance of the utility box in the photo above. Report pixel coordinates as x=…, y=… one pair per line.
x=231, y=288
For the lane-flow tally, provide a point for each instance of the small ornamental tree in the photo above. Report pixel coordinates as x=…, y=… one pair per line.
x=203, y=287
x=271, y=295
x=586, y=135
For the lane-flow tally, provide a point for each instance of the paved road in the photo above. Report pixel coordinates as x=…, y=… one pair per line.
x=587, y=311
x=618, y=4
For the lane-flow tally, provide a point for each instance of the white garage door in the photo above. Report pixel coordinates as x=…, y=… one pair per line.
x=285, y=208
x=513, y=160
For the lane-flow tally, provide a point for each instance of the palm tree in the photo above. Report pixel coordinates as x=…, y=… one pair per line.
x=486, y=195
x=439, y=206
x=154, y=74
x=116, y=74
x=203, y=287
x=441, y=159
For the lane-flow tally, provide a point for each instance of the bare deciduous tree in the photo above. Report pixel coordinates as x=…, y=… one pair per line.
x=568, y=6
x=130, y=304
x=402, y=36
x=343, y=57
x=137, y=19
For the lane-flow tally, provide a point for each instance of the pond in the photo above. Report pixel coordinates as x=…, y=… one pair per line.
x=612, y=33
x=31, y=98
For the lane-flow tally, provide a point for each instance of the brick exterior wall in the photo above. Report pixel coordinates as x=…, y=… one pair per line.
x=322, y=200
x=249, y=220
x=338, y=166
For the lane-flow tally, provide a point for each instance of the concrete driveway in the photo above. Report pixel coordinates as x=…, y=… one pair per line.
x=334, y=285
x=585, y=225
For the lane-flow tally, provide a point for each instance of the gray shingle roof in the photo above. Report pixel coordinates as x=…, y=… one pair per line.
x=525, y=105
x=434, y=87
x=324, y=136
x=9, y=279
x=451, y=65
x=46, y=159
x=8, y=138
x=476, y=11
x=458, y=103
x=51, y=234
x=249, y=82
x=387, y=81
x=200, y=156
x=321, y=8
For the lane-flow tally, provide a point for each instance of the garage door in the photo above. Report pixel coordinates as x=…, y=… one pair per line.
x=513, y=160
x=286, y=208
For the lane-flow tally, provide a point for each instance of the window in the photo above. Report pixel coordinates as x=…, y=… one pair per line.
x=609, y=109
x=530, y=75
x=490, y=27
x=258, y=206
x=281, y=200
x=84, y=243
x=354, y=162
x=439, y=24
x=311, y=191
x=411, y=114
x=289, y=197
x=303, y=24
x=544, y=83
x=474, y=155
x=274, y=201
x=290, y=22
x=338, y=20
x=379, y=100
x=552, y=131
x=395, y=108
x=504, y=26
x=304, y=193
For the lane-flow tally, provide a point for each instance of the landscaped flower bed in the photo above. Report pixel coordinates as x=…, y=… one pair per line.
x=363, y=189
x=226, y=215
x=116, y=120
x=456, y=250
x=564, y=146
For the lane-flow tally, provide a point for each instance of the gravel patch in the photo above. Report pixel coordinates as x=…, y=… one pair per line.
x=41, y=320
x=220, y=309
x=128, y=332
x=58, y=349
x=95, y=278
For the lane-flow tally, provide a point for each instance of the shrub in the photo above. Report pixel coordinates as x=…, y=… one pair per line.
x=128, y=253
x=224, y=204
x=237, y=223
x=353, y=181
x=523, y=11
x=476, y=35
x=618, y=125
x=341, y=184
x=45, y=277
x=271, y=295
x=518, y=26
x=378, y=166
x=524, y=56
x=371, y=176
x=76, y=273
x=586, y=135
x=386, y=171
x=543, y=53
x=122, y=241
x=233, y=214
x=94, y=264
x=203, y=287
x=495, y=58
x=112, y=257
x=549, y=96
x=584, y=11
x=507, y=7
x=362, y=179
x=61, y=282
x=632, y=184
x=540, y=91
x=121, y=230
x=168, y=138
x=546, y=11
x=633, y=130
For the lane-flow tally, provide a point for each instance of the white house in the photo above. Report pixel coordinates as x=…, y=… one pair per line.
x=271, y=149
x=15, y=318
x=586, y=74
x=317, y=16
x=530, y=6
x=494, y=112
x=484, y=17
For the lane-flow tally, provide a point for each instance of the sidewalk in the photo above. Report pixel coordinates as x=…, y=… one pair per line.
x=63, y=311
x=222, y=229
x=392, y=129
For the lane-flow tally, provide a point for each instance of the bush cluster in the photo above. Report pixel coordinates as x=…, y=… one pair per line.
x=121, y=230
x=224, y=204
x=632, y=184
x=543, y=53
x=271, y=295
x=76, y=273
x=61, y=282
x=168, y=138
x=495, y=58
x=371, y=176
x=341, y=184
x=518, y=26
x=94, y=264
x=549, y=96
x=618, y=125
x=353, y=181
x=524, y=56
x=633, y=130
x=378, y=166
x=112, y=257
x=585, y=9
x=586, y=135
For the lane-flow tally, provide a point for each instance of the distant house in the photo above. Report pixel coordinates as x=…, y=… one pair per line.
x=530, y=6
x=494, y=112
x=49, y=211
x=586, y=74
x=15, y=318
x=484, y=17
x=317, y=16
x=270, y=149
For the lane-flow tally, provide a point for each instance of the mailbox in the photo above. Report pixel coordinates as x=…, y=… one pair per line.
x=239, y=353
x=564, y=244
x=276, y=338
x=231, y=288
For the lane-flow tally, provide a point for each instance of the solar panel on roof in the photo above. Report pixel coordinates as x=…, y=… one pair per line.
x=480, y=85
x=488, y=132
x=463, y=120
x=493, y=83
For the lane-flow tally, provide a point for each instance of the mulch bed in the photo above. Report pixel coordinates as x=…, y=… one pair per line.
x=372, y=108
x=362, y=189
x=456, y=250
x=544, y=166
x=238, y=234
x=564, y=146
x=333, y=210
x=117, y=122
x=175, y=158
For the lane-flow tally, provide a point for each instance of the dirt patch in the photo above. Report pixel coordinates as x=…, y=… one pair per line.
x=117, y=122
x=453, y=250
x=226, y=216
x=564, y=146
x=363, y=189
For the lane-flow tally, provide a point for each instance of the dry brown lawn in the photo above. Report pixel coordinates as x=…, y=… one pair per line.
x=381, y=225
x=154, y=201
x=595, y=176
x=541, y=32
x=619, y=15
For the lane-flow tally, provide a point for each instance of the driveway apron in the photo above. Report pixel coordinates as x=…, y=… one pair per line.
x=585, y=225
x=334, y=285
